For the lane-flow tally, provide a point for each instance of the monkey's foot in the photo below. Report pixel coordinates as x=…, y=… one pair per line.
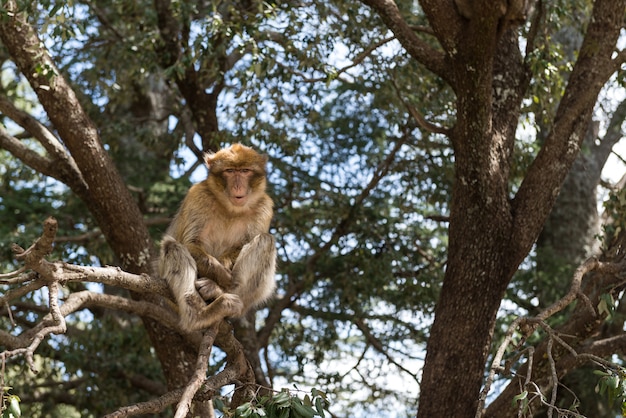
x=195, y=302
x=229, y=305
x=208, y=289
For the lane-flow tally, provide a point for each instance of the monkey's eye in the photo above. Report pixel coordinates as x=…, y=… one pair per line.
x=230, y=170
x=245, y=170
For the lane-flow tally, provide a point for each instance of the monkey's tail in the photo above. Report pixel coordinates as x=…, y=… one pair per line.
x=178, y=268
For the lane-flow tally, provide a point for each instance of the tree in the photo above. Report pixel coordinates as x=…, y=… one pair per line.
x=492, y=230
x=371, y=160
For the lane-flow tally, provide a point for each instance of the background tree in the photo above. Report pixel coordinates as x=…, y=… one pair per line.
x=399, y=149
x=491, y=230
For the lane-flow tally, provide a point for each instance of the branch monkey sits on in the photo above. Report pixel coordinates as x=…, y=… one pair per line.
x=218, y=247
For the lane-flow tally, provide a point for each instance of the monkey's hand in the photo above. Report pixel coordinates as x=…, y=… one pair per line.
x=228, y=259
x=208, y=289
x=210, y=267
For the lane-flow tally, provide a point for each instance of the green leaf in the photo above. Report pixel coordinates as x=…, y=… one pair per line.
x=519, y=397
x=319, y=407
x=284, y=413
x=14, y=406
x=218, y=404
x=282, y=399
x=244, y=411
x=613, y=382
x=302, y=410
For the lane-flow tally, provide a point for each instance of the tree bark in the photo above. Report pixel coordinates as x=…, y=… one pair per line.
x=106, y=195
x=489, y=234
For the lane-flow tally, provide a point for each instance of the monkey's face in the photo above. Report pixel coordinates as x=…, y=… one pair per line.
x=238, y=185
x=240, y=173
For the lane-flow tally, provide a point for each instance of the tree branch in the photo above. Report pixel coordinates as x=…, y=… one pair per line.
x=584, y=321
x=62, y=166
x=545, y=176
x=202, y=363
x=106, y=195
x=26, y=155
x=418, y=49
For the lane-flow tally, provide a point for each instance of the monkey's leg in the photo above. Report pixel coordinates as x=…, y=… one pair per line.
x=253, y=272
x=178, y=268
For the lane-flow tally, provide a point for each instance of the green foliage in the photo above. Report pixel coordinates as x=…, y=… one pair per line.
x=615, y=207
x=91, y=373
x=283, y=404
x=612, y=384
x=10, y=406
x=359, y=190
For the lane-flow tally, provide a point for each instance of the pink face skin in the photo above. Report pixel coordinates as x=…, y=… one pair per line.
x=238, y=184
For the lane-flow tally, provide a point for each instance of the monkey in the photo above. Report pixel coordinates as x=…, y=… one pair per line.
x=217, y=255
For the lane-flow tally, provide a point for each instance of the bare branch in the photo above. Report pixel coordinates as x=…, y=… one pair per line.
x=34, y=255
x=86, y=299
x=417, y=116
x=590, y=264
x=202, y=363
x=416, y=47
x=528, y=325
x=21, y=291
x=236, y=367
x=113, y=276
x=4, y=277
x=153, y=406
x=379, y=346
x=356, y=61
x=25, y=154
x=55, y=326
x=423, y=123
x=64, y=167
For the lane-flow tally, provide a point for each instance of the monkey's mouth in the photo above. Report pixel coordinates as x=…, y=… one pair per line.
x=238, y=200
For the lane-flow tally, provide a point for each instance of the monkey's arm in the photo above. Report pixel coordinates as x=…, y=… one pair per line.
x=209, y=267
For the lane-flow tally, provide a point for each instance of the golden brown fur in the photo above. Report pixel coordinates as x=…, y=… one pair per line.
x=220, y=235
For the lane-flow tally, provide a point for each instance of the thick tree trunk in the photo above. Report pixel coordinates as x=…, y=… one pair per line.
x=489, y=235
x=106, y=195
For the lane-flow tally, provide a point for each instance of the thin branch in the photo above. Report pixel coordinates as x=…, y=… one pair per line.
x=420, y=50
x=9, y=275
x=423, y=123
x=235, y=368
x=54, y=326
x=555, y=378
x=590, y=264
x=379, y=173
x=18, y=292
x=417, y=116
x=356, y=61
x=60, y=165
x=379, y=346
x=202, y=363
x=528, y=325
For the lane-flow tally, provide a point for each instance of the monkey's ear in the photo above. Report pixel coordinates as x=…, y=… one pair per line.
x=208, y=159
